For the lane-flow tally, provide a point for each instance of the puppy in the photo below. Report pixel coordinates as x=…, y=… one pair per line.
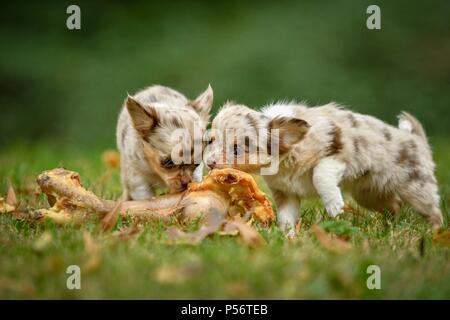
x=320, y=150
x=145, y=139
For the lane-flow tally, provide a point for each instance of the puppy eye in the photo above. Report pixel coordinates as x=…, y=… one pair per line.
x=210, y=140
x=167, y=163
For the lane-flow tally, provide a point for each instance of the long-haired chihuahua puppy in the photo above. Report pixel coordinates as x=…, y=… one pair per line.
x=321, y=150
x=145, y=139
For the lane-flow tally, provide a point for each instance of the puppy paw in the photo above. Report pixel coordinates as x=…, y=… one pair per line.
x=288, y=229
x=335, y=208
x=291, y=234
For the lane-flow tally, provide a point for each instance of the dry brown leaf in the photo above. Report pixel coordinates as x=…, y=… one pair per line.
x=297, y=227
x=212, y=223
x=330, y=242
x=237, y=290
x=248, y=234
x=170, y=274
x=11, y=197
x=293, y=234
x=43, y=241
x=4, y=207
x=92, y=263
x=194, y=238
x=176, y=274
x=55, y=263
x=351, y=209
x=109, y=220
x=442, y=237
x=22, y=286
x=111, y=159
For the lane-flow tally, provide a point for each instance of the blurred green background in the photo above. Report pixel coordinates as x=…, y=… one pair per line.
x=66, y=87
x=61, y=92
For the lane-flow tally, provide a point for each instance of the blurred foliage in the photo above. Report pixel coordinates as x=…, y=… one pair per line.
x=67, y=86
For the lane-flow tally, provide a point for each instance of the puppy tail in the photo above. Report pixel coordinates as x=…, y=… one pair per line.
x=409, y=123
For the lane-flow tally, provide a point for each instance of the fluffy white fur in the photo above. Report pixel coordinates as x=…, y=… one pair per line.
x=284, y=109
x=326, y=149
x=144, y=138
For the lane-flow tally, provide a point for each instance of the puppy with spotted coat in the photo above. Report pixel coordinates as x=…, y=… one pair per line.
x=328, y=148
x=145, y=131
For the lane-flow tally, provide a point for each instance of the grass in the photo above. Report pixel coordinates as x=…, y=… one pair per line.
x=146, y=266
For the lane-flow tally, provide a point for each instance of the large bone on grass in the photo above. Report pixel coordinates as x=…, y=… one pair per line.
x=68, y=197
x=63, y=189
x=227, y=191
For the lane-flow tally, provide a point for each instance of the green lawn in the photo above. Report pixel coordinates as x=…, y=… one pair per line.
x=34, y=258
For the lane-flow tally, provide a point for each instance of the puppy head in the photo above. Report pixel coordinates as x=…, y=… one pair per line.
x=248, y=140
x=172, y=136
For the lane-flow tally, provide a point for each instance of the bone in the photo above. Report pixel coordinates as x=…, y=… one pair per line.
x=228, y=192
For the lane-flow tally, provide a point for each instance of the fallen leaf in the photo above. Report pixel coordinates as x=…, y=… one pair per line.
x=111, y=159
x=176, y=274
x=11, y=197
x=442, y=237
x=351, y=209
x=22, y=286
x=170, y=274
x=236, y=290
x=248, y=234
x=5, y=207
x=212, y=223
x=110, y=219
x=92, y=264
x=194, y=238
x=55, y=263
x=297, y=227
x=330, y=242
x=43, y=241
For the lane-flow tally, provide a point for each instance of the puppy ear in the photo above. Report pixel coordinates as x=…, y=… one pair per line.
x=143, y=118
x=291, y=131
x=203, y=103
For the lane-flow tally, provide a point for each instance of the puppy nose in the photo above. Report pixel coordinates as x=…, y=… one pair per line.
x=185, y=181
x=211, y=163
